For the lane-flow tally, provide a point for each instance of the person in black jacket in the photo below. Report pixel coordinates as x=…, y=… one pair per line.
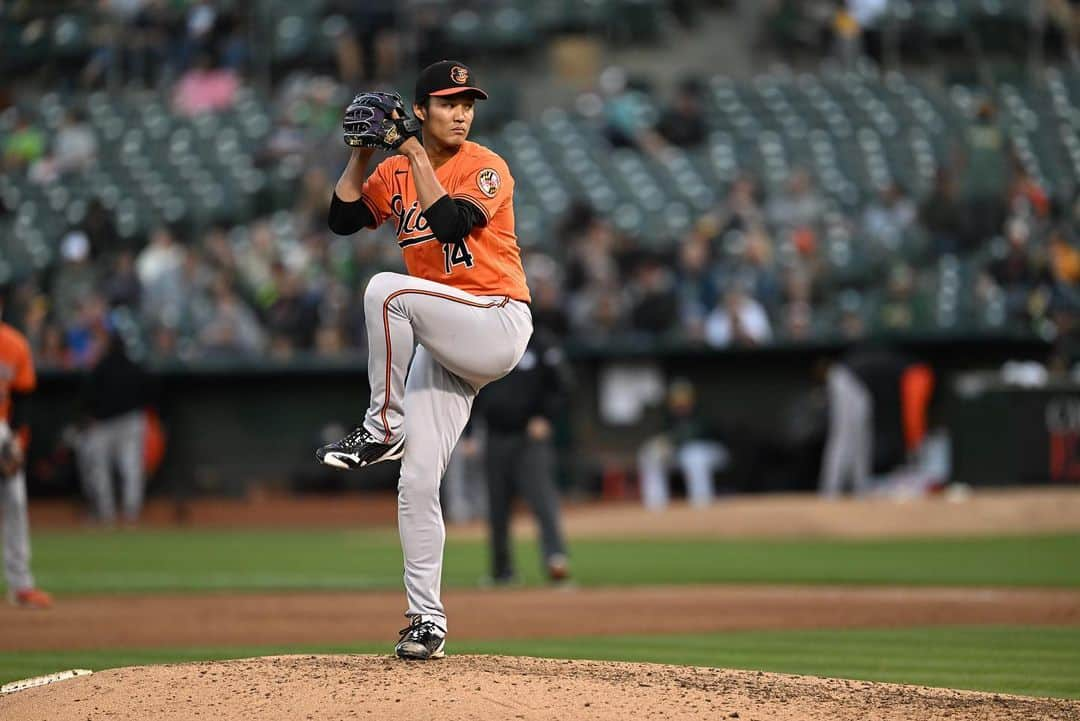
x=519, y=410
x=114, y=396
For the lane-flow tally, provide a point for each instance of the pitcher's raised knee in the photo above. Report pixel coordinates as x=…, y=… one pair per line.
x=381, y=286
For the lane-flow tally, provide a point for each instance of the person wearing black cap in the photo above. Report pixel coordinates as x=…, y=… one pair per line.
x=459, y=320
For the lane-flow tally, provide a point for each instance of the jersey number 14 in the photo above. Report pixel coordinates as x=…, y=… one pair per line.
x=456, y=254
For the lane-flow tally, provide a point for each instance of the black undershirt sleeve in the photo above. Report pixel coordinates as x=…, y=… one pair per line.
x=452, y=220
x=347, y=218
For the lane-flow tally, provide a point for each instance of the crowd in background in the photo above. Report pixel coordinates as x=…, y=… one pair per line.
x=750, y=271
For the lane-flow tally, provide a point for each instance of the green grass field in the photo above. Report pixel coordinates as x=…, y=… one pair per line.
x=1036, y=661
x=197, y=561
x=1030, y=661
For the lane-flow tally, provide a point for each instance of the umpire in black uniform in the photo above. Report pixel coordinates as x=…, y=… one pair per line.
x=519, y=410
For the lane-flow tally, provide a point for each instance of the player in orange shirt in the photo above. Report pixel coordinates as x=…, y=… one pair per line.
x=459, y=320
x=17, y=382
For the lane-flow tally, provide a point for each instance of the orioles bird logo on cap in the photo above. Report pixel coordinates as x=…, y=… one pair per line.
x=459, y=75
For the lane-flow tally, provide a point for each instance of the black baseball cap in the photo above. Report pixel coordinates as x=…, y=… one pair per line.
x=446, y=77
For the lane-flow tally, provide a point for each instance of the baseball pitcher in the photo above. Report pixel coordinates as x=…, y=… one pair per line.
x=459, y=320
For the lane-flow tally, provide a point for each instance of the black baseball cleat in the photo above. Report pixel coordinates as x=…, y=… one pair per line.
x=420, y=641
x=359, y=449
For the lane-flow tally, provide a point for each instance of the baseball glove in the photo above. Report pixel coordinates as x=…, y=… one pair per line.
x=378, y=120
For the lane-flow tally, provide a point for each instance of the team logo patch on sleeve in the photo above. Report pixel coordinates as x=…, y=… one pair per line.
x=488, y=181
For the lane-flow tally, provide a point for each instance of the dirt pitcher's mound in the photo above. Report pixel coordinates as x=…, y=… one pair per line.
x=494, y=687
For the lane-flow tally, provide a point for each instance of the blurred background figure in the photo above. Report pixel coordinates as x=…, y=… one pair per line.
x=849, y=446
x=518, y=413
x=689, y=445
x=882, y=436
x=18, y=380
x=115, y=395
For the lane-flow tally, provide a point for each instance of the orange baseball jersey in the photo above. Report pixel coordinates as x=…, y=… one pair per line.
x=488, y=262
x=16, y=367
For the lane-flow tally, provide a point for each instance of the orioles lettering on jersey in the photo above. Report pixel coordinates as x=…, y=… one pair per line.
x=487, y=261
x=412, y=226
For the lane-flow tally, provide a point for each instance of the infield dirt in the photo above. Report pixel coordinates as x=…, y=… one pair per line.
x=496, y=687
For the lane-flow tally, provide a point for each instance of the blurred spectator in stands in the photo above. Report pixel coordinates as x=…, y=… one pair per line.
x=697, y=287
x=121, y=287
x=23, y=146
x=654, y=304
x=798, y=205
x=624, y=113
x=846, y=34
x=76, y=278
x=986, y=173
x=903, y=308
x=855, y=25
x=101, y=230
x=755, y=271
x=1064, y=258
x=159, y=267
x=943, y=216
x=52, y=351
x=291, y=319
x=549, y=302
x=74, y=150
x=76, y=145
x=1066, y=15
x=688, y=443
x=188, y=303
x=199, y=23
x=135, y=40
x=218, y=251
x=683, y=122
x=1017, y=272
x=165, y=344
x=798, y=24
x=1065, y=319
x=599, y=312
x=739, y=321
x=213, y=29
x=232, y=328
x=591, y=257
x=852, y=321
x=797, y=313
x=330, y=341
x=889, y=217
x=372, y=51
x=28, y=310
x=312, y=205
x=1027, y=197
x=288, y=137
x=85, y=332
x=739, y=211
x=257, y=259
x=205, y=88
x=114, y=396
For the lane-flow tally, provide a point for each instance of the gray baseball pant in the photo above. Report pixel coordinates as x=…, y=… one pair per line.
x=456, y=343
x=16, y=532
x=849, y=447
x=114, y=442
